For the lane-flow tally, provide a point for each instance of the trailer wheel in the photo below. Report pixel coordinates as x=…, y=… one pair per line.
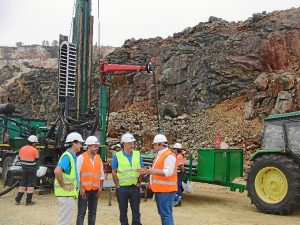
x=273, y=184
x=6, y=163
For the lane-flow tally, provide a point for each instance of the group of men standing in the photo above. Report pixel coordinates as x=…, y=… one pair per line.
x=82, y=178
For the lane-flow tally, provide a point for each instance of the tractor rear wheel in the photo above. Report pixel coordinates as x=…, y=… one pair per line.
x=6, y=163
x=273, y=184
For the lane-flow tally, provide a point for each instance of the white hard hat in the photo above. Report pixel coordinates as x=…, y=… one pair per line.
x=74, y=136
x=41, y=171
x=92, y=140
x=177, y=146
x=33, y=139
x=127, y=138
x=159, y=138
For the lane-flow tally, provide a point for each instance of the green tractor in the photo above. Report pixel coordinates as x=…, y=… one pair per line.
x=273, y=181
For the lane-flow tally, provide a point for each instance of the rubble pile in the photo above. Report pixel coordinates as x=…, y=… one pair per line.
x=226, y=119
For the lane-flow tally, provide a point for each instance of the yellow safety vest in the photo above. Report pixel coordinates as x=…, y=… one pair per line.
x=127, y=173
x=68, y=179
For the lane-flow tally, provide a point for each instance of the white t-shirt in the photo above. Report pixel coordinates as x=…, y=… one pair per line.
x=169, y=163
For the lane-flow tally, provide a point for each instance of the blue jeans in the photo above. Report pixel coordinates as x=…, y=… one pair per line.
x=90, y=200
x=178, y=195
x=131, y=194
x=164, y=202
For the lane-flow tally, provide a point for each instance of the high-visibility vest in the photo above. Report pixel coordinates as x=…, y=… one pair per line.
x=180, y=162
x=89, y=173
x=28, y=155
x=68, y=180
x=127, y=173
x=162, y=183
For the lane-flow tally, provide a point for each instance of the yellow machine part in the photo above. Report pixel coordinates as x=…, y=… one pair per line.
x=271, y=185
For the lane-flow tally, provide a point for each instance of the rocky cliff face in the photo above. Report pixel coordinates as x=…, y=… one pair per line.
x=212, y=61
x=218, y=77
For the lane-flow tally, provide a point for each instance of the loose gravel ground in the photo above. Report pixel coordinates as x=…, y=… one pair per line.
x=207, y=205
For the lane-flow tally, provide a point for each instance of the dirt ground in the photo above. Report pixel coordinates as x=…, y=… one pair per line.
x=207, y=205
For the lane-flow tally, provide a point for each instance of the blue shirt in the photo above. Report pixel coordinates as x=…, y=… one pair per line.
x=65, y=164
x=114, y=164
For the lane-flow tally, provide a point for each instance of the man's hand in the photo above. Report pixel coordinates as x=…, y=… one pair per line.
x=68, y=187
x=142, y=171
x=149, y=171
x=82, y=192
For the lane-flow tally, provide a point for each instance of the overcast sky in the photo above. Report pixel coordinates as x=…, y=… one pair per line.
x=32, y=21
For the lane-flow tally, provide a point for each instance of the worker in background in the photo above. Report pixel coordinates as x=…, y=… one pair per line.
x=118, y=147
x=163, y=179
x=66, y=178
x=179, y=151
x=28, y=157
x=91, y=176
x=125, y=172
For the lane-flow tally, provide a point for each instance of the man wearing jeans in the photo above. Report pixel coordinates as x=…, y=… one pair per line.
x=125, y=171
x=163, y=179
x=91, y=176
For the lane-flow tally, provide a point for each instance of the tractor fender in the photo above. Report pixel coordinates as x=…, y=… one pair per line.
x=262, y=152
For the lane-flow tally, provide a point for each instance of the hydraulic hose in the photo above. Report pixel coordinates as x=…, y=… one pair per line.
x=5, y=191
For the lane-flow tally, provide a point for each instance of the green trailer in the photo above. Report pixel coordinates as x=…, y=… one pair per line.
x=217, y=166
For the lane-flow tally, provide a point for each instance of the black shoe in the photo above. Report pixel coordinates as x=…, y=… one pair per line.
x=17, y=202
x=30, y=203
x=177, y=203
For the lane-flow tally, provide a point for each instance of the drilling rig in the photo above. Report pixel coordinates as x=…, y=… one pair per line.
x=75, y=110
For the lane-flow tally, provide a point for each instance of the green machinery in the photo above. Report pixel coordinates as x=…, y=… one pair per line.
x=217, y=166
x=273, y=182
x=14, y=131
x=75, y=109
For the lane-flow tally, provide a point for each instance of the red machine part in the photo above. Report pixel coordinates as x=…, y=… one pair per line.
x=218, y=140
x=106, y=68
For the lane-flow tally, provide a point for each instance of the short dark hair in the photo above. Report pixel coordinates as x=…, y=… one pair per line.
x=31, y=143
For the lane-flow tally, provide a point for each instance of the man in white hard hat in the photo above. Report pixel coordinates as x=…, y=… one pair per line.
x=125, y=172
x=28, y=156
x=66, y=178
x=163, y=179
x=91, y=176
x=179, y=151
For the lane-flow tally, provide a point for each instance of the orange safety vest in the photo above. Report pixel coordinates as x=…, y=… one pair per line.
x=162, y=183
x=180, y=162
x=28, y=155
x=89, y=174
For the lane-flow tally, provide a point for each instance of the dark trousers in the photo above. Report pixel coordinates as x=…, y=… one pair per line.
x=27, y=183
x=178, y=195
x=90, y=201
x=131, y=194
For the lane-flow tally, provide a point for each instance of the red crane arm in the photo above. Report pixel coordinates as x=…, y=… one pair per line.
x=106, y=68
x=109, y=68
